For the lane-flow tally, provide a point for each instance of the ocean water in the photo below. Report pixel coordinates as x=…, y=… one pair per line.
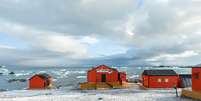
x=64, y=77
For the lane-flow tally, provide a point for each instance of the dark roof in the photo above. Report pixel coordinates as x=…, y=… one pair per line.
x=197, y=67
x=185, y=75
x=159, y=72
x=42, y=75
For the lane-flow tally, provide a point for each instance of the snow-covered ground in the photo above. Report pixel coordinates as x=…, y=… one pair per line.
x=91, y=95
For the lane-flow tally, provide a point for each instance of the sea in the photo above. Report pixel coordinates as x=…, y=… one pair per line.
x=14, y=78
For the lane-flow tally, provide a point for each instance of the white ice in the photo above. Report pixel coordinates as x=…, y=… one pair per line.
x=91, y=95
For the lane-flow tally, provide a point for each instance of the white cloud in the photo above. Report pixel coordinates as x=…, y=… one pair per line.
x=61, y=44
x=7, y=47
x=167, y=57
x=39, y=39
x=89, y=40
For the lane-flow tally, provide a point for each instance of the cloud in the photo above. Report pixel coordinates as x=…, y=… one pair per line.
x=7, y=47
x=115, y=32
x=43, y=48
x=174, y=57
x=89, y=40
x=60, y=44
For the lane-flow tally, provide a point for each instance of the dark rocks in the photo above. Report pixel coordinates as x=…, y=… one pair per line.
x=3, y=90
x=100, y=98
x=12, y=73
x=58, y=86
x=16, y=80
x=2, y=66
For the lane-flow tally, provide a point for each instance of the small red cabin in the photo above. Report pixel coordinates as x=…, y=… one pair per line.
x=40, y=81
x=196, y=79
x=160, y=78
x=104, y=73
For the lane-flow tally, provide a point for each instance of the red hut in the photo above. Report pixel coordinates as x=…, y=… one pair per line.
x=159, y=78
x=104, y=77
x=196, y=79
x=195, y=92
x=40, y=81
x=105, y=74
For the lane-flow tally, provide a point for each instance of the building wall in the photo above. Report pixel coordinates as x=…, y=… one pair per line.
x=123, y=76
x=110, y=77
x=36, y=83
x=160, y=81
x=180, y=84
x=145, y=80
x=91, y=76
x=196, y=79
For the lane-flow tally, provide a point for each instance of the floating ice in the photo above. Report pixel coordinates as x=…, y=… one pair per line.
x=23, y=73
x=4, y=71
x=81, y=77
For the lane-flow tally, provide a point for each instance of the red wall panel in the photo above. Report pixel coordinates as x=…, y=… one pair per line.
x=196, y=79
x=36, y=83
x=145, y=80
x=91, y=76
x=123, y=76
x=160, y=81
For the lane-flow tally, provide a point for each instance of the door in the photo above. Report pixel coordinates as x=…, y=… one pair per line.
x=119, y=77
x=103, y=78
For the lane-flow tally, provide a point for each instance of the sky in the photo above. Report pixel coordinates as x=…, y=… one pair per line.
x=45, y=33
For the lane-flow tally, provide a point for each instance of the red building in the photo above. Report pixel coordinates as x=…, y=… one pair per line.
x=160, y=78
x=196, y=79
x=40, y=81
x=104, y=73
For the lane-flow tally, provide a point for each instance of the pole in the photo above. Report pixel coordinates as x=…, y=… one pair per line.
x=175, y=87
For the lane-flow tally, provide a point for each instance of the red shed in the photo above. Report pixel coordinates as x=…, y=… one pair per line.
x=40, y=81
x=160, y=78
x=196, y=79
x=104, y=73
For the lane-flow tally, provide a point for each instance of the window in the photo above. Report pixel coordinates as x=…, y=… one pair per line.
x=166, y=80
x=196, y=75
x=159, y=80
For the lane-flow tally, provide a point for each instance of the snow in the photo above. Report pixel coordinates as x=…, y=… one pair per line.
x=91, y=95
x=81, y=77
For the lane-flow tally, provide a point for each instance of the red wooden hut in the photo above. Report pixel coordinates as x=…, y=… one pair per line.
x=40, y=81
x=104, y=77
x=196, y=79
x=160, y=78
x=104, y=73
